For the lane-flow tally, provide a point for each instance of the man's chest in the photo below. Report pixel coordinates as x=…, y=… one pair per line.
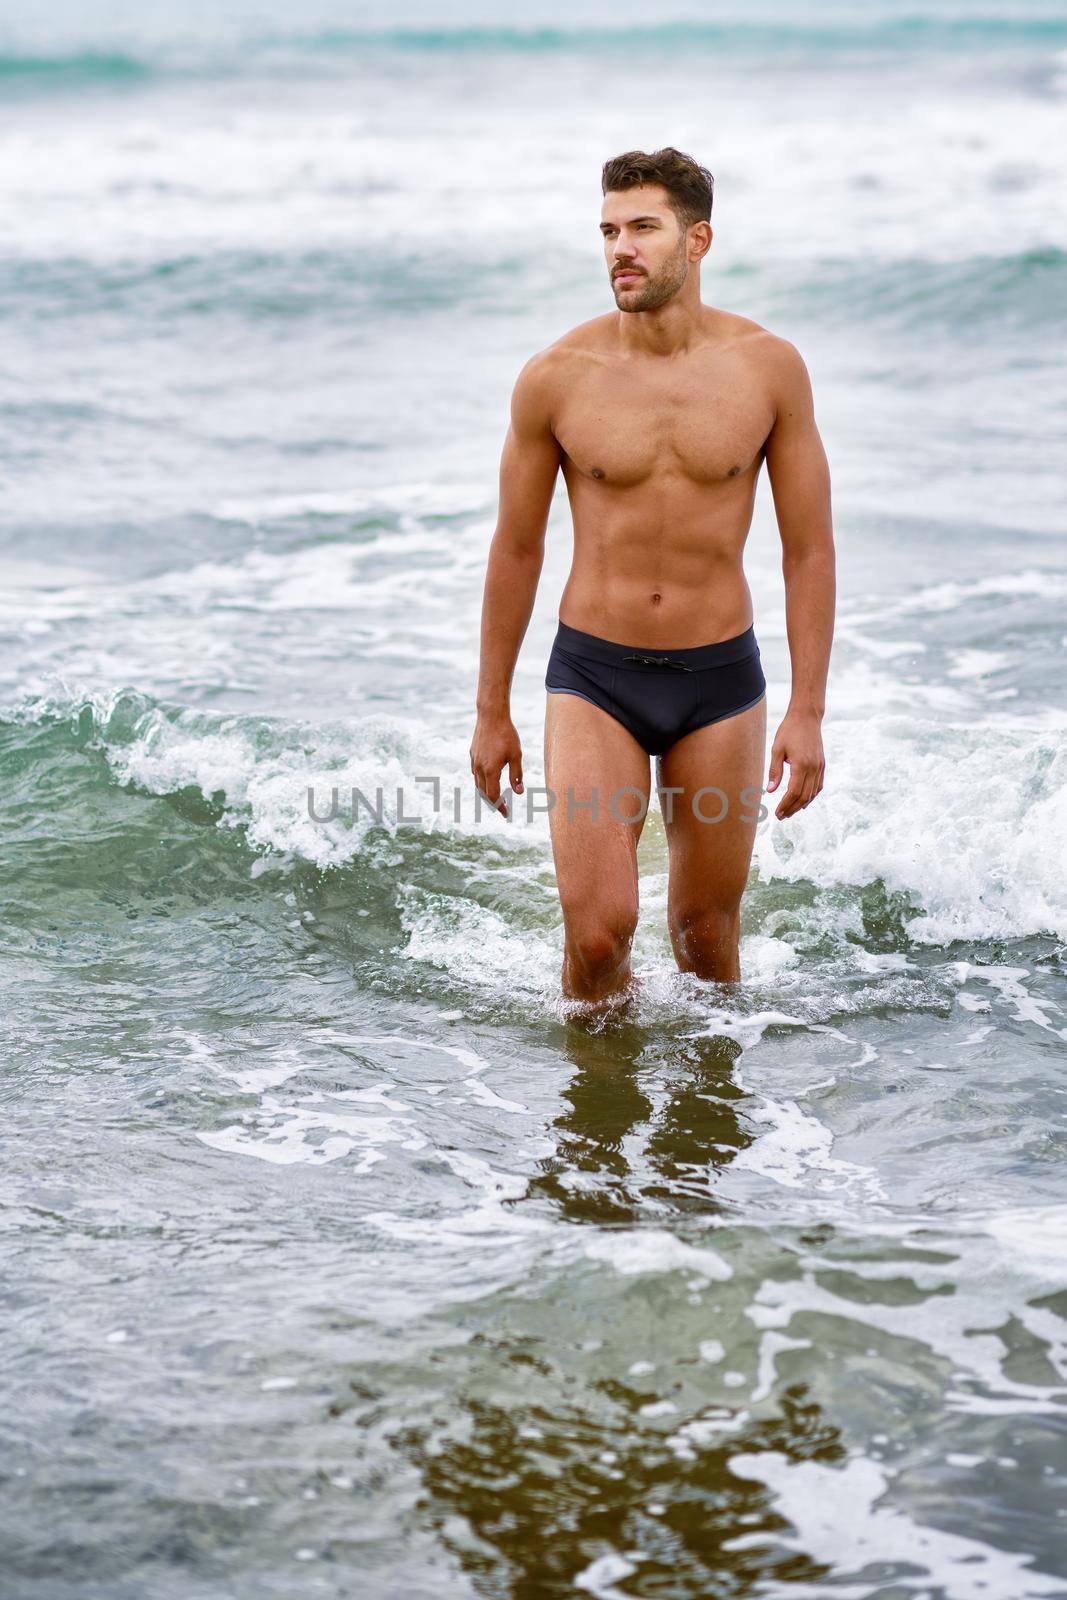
x=621, y=430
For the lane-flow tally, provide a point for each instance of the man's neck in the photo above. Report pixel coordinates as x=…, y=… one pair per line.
x=667, y=333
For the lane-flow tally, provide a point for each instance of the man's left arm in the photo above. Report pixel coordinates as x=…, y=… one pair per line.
x=800, y=484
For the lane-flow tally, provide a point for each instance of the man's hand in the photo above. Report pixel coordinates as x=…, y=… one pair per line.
x=798, y=741
x=496, y=745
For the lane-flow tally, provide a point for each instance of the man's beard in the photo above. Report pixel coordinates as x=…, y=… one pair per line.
x=657, y=291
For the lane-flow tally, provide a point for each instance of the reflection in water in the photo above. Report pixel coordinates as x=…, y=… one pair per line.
x=538, y=1489
x=558, y=1450
x=589, y=1176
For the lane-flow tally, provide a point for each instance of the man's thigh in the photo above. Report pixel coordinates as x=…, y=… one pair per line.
x=590, y=757
x=710, y=859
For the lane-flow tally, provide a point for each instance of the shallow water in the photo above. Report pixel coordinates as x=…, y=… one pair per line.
x=337, y=1261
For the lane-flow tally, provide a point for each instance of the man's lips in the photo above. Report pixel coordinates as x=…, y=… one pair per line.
x=619, y=275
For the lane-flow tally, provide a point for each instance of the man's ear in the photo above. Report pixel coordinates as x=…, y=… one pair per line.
x=702, y=231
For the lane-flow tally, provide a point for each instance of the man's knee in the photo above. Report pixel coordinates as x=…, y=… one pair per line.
x=707, y=934
x=597, y=946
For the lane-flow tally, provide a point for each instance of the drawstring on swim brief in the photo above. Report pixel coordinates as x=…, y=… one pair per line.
x=659, y=661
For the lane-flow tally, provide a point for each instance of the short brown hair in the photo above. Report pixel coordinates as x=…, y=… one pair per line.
x=690, y=186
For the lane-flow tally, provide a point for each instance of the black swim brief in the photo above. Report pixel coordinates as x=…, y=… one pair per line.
x=659, y=695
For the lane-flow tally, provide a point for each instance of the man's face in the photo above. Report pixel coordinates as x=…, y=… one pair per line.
x=645, y=248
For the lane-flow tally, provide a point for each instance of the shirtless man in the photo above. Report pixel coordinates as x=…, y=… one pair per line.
x=660, y=414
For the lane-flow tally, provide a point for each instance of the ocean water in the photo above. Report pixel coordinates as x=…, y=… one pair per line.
x=335, y=1259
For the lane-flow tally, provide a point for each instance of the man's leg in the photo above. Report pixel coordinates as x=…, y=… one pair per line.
x=709, y=860
x=589, y=755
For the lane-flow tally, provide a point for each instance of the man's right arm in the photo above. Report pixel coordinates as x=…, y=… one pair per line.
x=528, y=467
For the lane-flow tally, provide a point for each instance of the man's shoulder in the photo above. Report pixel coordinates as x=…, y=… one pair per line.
x=548, y=374
x=756, y=340
x=772, y=362
x=577, y=344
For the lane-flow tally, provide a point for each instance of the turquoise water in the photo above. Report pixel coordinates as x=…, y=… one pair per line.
x=336, y=1260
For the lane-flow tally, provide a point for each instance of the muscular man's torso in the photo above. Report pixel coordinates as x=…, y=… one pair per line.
x=661, y=456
